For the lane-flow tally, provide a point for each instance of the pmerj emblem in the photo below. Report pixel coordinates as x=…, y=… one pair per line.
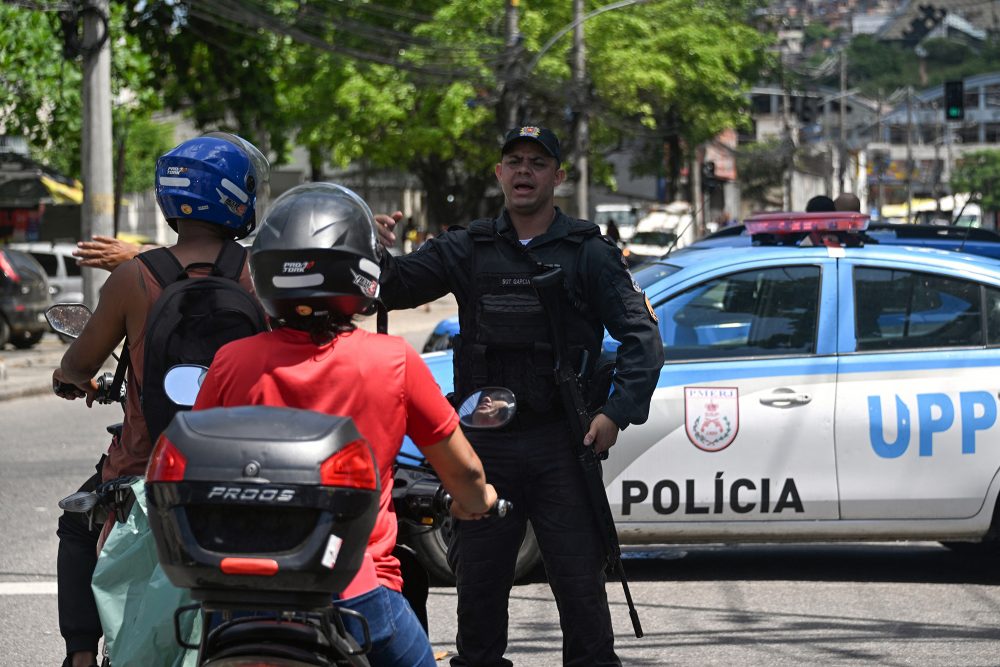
x=711, y=416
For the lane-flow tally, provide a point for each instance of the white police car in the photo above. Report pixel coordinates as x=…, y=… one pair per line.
x=817, y=386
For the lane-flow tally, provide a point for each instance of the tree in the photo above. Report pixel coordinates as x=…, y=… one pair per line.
x=41, y=97
x=762, y=170
x=978, y=173
x=672, y=71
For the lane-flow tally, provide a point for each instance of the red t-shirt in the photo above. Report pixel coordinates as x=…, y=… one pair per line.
x=379, y=381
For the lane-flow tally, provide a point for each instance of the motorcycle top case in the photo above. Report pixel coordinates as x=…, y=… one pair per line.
x=263, y=506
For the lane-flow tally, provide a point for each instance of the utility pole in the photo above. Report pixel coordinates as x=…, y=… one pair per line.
x=842, y=153
x=789, y=142
x=98, y=194
x=909, y=154
x=512, y=85
x=581, y=132
x=885, y=166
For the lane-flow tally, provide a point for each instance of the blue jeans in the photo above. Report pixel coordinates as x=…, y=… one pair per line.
x=398, y=639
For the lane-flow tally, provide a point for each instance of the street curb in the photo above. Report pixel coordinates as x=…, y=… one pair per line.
x=28, y=376
x=12, y=393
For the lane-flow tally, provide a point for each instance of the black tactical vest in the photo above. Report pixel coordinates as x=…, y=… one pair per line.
x=505, y=337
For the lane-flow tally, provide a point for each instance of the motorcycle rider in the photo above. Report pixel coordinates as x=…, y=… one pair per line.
x=315, y=266
x=189, y=181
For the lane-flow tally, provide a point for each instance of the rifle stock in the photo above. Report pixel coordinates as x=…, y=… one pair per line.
x=550, y=290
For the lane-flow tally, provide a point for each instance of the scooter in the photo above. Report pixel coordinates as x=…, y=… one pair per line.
x=261, y=509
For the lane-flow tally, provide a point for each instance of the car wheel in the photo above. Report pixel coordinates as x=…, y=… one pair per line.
x=431, y=548
x=25, y=340
x=4, y=332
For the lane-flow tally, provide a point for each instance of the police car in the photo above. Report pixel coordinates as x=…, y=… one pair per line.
x=818, y=385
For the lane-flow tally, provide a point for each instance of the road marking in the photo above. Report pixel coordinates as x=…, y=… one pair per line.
x=28, y=588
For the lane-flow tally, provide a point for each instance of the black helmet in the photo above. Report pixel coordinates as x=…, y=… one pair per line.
x=316, y=253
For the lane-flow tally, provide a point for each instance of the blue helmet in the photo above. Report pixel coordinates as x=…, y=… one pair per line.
x=213, y=178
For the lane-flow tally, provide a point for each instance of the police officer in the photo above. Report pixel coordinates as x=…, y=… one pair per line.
x=505, y=341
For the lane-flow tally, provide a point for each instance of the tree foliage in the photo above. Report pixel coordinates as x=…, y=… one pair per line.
x=42, y=88
x=874, y=65
x=978, y=173
x=421, y=86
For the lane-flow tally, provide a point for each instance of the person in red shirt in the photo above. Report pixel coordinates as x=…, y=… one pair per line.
x=315, y=265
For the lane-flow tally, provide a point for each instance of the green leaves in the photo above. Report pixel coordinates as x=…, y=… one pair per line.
x=978, y=173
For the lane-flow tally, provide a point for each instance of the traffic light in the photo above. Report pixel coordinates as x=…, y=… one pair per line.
x=954, y=100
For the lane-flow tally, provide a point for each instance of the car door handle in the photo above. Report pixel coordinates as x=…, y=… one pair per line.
x=784, y=397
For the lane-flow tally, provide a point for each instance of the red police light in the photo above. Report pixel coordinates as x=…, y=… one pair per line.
x=805, y=223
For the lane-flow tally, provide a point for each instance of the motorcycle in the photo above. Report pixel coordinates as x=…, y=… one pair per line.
x=242, y=544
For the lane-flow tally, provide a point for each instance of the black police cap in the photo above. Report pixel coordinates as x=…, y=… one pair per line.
x=540, y=135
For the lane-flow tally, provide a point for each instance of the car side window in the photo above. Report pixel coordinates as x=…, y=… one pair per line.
x=992, y=316
x=897, y=309
x=764, y=312
x=48, y=262
x=72, y=268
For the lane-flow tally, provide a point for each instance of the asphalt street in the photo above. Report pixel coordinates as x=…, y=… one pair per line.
x=829, y=604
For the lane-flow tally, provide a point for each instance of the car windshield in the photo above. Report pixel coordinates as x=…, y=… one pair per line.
x=653, y=238
x=652, y=273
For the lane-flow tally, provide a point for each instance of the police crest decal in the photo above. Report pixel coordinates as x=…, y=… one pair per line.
x=711, y=416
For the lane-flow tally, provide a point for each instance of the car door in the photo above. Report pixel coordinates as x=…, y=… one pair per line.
x=741, y=425
x=916, y=420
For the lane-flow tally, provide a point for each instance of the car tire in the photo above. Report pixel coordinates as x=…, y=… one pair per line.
x=431, y=548
x=25, y=340
x=4, y=332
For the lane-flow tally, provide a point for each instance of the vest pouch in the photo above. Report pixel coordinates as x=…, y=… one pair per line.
x=529, y=375
x=511, y=321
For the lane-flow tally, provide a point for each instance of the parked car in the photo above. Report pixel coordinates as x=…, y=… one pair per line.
x=65, y=281
x=647, y=245
x=24, y=297
x=817, y=386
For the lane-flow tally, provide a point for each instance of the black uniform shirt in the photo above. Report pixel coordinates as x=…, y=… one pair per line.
x=444, y=264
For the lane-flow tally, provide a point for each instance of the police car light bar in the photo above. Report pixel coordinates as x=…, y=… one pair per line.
x=804, y=223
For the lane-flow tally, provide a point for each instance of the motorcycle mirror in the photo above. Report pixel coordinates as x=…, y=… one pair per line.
x=487, y=408
x=68, y=318
x=182, y=382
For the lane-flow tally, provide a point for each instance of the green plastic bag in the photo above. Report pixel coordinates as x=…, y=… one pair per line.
x=136, y=600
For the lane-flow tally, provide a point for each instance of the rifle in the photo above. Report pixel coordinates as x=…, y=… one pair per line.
x=551, y=293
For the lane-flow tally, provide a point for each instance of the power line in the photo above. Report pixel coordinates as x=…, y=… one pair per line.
x=230, y=14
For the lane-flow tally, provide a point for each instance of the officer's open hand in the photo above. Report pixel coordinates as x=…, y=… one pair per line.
x=384, y=224
x=603, y=434
x=105, y=252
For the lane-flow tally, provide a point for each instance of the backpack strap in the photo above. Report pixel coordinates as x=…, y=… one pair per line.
x=229, y=263
x=163, y=265
x=166, y=269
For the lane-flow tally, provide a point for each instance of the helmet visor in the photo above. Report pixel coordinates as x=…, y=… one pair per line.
x=261, y=167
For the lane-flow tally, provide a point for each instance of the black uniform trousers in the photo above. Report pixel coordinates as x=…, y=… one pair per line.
x=534, y=468
x=79, y=622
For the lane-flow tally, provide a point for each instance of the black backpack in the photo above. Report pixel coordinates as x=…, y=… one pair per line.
x=190, y=321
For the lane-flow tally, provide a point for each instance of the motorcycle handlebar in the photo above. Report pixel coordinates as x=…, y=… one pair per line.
x=500, y=508
x=103, y=395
